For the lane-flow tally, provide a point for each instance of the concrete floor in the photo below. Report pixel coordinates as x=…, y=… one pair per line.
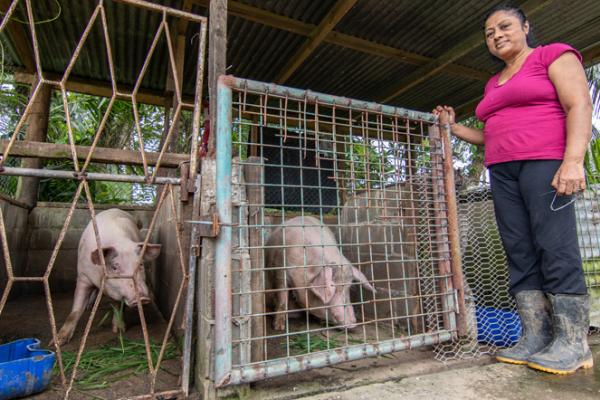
x=416, y=375
x=493, y=381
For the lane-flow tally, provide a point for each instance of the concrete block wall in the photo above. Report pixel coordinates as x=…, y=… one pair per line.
x=15, y=221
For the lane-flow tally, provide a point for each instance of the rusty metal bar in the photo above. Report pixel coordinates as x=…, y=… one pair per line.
x=8, y=14
x=444, y=266
x=167, y=10
x=453, y=235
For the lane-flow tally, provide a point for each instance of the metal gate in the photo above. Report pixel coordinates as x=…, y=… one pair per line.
x=94, y=163
x=373, y=181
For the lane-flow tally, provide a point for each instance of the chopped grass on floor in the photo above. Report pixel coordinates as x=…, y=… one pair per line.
x=309, y=343
x=100, y=367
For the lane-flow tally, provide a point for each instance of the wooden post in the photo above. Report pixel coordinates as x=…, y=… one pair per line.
x=217, y=49
x=37, y=130
x=254, y=141
x=253, y=174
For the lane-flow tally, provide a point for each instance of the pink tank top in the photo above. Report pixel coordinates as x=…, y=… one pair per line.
x=523, y=117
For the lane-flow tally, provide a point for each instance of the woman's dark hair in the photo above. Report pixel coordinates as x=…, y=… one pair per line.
x=509, y=7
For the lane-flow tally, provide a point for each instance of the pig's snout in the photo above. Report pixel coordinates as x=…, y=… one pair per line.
x=344, y=317
x=133, y=302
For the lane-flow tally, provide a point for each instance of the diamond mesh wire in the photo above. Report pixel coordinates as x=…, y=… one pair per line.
x=84, y=165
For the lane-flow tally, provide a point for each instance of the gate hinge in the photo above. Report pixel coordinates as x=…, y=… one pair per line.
x=207, y=225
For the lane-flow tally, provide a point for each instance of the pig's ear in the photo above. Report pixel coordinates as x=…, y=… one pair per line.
x=109, y=252
x=152, y=251
x=360, y=277
x=323, y=286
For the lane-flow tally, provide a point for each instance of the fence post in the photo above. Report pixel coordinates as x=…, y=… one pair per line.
x=37, y=130
x=440, y=207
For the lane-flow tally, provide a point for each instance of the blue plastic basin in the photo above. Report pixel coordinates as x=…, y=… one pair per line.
x=497, y=327
x=24, y=368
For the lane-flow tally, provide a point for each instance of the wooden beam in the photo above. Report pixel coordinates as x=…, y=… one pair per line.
x=405, y=57
x=99, y=88
x=316, y=37
x=273, y=20
x=20, y=39
x=106, y=155
x=473, y=41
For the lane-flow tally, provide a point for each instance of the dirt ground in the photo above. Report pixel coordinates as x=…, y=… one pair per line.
x=27, y=316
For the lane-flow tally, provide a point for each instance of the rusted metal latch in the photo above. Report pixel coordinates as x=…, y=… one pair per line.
x=209, y=225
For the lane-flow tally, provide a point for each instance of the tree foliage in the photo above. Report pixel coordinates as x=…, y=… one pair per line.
x=86, y=114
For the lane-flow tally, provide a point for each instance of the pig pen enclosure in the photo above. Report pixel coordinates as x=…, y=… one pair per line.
x=322, y=229
x=67, y=157
x=335, y=232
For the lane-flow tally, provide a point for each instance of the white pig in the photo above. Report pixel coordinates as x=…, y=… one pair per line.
x=121, y=247
x=303, y=255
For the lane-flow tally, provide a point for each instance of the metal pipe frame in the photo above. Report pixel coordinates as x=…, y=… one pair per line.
x=223, y=301
x=166, y=10
x=311, y=97
x=90, y=176
x=226, y=372
x=272, y=369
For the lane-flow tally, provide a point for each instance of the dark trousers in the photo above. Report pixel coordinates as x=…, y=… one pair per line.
x=540, y=244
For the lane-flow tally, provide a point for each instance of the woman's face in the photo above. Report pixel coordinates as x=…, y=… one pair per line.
x=505, y=36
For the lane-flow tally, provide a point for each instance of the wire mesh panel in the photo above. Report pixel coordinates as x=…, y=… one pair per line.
x=333, y=242
x=115, y=150
x=587, y=209
x=492, y=318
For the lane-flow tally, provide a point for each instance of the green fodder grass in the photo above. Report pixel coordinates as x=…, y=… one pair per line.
x=100, y=367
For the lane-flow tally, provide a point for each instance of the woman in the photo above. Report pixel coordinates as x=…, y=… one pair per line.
x=537, y=114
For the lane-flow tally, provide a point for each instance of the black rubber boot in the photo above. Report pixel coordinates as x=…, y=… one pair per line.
x=536, y=322
x=569, y=350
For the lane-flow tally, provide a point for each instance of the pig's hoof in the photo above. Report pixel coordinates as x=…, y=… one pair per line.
x=62, y=339
x=279, y=324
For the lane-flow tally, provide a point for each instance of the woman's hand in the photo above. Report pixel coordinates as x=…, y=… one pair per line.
x=445, y=114
x=447, y=118
x=569, y=179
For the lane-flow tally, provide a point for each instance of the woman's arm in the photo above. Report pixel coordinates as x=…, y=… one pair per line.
x=447, y=117
x=568, y=77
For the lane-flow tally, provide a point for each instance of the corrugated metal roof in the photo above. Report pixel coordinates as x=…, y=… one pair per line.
x=423, y=27
x=308, y=11
x=426, y=28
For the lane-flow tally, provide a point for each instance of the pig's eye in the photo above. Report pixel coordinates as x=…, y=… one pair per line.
x=113, y=267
